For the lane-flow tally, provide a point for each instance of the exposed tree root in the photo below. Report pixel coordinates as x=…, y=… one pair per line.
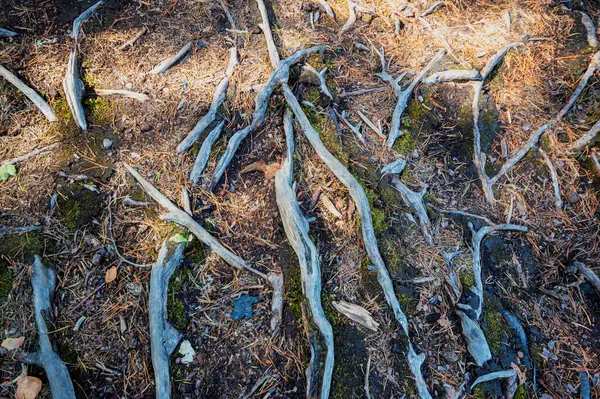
x=453, y=75
x=18, y=230
x=261, y=103
x=141, y=97
x=321, y=77
x=356, y=129
x=327, y=8
x=164, y=338
x=476, y=343
x=31, y=94
x=204, y=152
x=266, y=29
x=415, y=201
x=585, y=390
x=590, y=28
x=589, y=274
x=74, y=89
x=218, y=98
x=131, y=42
x=82, y=18
x=432, y=9
x=558, y=203
x=353, y=10
x=395, y=167
x=169, y=62
x=586, y=139
x=360, y=199
x=515, y=325
x=180, y=217
x=367, y=121
x=43, y=281
x=7, y=33
x=296, y=229
x=494, y=376
x=403, y=95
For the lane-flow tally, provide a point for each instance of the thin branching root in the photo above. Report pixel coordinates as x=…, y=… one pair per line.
x=403, y=95
x=296, y=229
x=177, y=215
x=164, y=338
x=353, y=11
x=415, y=201
x=169, y=62
x=43, y=281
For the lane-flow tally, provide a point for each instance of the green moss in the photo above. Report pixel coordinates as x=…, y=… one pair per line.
x=330, y=313
x=466, y=278
x=392, y=256
x=350, y=358
x=103, y=111
x=312, y=95
x=478, y=393
x=65, y=126
x=328, y=135
x=405, y=144
x=175, y=306
x=6, y=281
x=24, y=245
x=379, y=220
x=292, y=286
x=195, y=252
x=495, y=331
x=79, y=208
x=521, y=392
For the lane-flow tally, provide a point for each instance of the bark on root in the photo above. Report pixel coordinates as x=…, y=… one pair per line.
x=296, y=229
x=176, y=215
x=43, y=280
x=358, y=195
x=31, y=94
x=164, y=338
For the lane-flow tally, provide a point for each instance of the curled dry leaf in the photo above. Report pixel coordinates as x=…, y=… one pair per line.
x=13, y=343
x=356, y=313
x=111, y=275
x=261, y=166
x=28, y=387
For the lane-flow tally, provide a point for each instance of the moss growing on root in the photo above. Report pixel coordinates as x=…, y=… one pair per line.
x=175, y=307
x=103, y=112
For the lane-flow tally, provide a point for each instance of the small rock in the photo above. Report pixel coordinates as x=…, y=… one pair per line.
x=134, y=289
x=242, y=307
x=450, y=356
x=107, y=143
x=146, y=127
x=187, y=351
x=129, y=86
x=572, y=197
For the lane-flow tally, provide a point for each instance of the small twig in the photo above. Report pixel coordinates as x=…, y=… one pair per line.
x=353, y=10
x=19, y=230
x=453, y=75
x=364, y=91
x=169, y=62
x=134, y=39
x=589, y=274
x=356, y=129
x=370, y=124
x=415, y=201
x=32, y=154
x=204, y=152
x=432, y=9
x=31, y=94
x=228, y=14
x=494, y=376
x=367, y=372
x=321, y=77
x=7, y=33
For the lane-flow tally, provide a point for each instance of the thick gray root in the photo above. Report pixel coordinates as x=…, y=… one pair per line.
x=403, y=95
x=327, y=8
x=43, y=280
x=587, y=138
x=266, y=28
x=204, y=152
x=296, y=229
x=453, y=75
x=590, y=29
x=180, y=217
x=261, y=103
x=82, y=18
x=415, y=201
x=7, y=33
x=163, y=336
x=141, y=97
x=360, y=199
x=589, y=274
x=218, y=98
x=169, y=62
x=476, y=343
x=74, y=89
x=353, y=10
x=31, y=94
x=395, y=167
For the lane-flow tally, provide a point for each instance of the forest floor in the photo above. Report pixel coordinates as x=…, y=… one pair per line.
x=525, y=273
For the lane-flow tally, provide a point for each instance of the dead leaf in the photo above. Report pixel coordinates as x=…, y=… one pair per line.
x=356, y=313
x=13, y=343
x=111, y=275
x=444, y=322
x=261, y=166
x=521, y=374
x=28, y=387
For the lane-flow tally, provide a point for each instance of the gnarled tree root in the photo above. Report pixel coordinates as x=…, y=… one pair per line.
x=296, y=229
x=43, y=281
x=358, y=195
x=164, y=338
x=415, y=201
x=180, y=217
x=31, y=94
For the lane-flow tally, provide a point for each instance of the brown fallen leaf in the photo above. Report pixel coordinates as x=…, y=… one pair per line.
x=28, y=387
x=356, y=313
x=111, y=275
x=261, y=166
x=13, y=343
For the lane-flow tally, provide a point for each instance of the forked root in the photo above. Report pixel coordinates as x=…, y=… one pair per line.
x=296, y=229
x=415, y=201
x=176, y=215
x=164, y=338
x=43, y=281
x=360, y=199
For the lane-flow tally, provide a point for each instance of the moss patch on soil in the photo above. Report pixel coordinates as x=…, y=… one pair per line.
x=6, y=281
x=175, y=306
x=22, y=246
x=78, y=207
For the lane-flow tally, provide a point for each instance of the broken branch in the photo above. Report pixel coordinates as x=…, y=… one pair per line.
x=141, y=97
